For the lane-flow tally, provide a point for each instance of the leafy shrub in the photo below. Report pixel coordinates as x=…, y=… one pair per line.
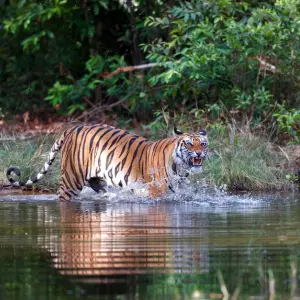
x=225, y=59
x=236, y=55
x=289, y=121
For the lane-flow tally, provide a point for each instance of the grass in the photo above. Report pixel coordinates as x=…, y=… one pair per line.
x=241, y=161
x=29, y=156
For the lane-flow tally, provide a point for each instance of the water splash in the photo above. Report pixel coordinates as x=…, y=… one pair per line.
x=197, y=193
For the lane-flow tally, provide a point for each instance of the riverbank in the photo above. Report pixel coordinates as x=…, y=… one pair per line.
x=239, y=162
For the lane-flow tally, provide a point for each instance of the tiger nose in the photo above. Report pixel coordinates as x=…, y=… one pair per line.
x=198, y=153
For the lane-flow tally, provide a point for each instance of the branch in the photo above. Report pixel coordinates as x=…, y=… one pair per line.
x=133, y=68
x=265, y=65
x=223, y=285
x=105, y=107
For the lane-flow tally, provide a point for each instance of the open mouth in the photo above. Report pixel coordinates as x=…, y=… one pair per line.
x=196, y=162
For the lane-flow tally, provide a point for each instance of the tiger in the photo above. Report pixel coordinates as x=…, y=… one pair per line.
x=100, y=155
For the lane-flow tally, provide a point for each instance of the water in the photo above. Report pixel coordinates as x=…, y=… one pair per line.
x=89, y=249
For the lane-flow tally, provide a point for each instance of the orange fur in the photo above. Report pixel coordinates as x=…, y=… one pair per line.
x=101, y=155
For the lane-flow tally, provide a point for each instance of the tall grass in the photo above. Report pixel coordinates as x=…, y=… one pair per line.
x=242, y=161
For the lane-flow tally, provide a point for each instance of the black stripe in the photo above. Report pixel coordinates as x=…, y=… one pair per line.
x=116, y=132
x=84, y=141
x=174, y=168
x=73, y=181
x=106, y=132
x=154, y=151
x=144, y=164
x=69, y=133
x=12, y=180
x=117, y=169
x=117, y=139
x=68, y=193
x=164, y=156
x=129, y=146
x=171, y=188
x=106, y=143
x=77, y=145
x=123, y=149
x=109, y=158
x=88, y=168
x=97, y=145
x=43, y=171
x=141, y=156
x=94, y=135
x=66, y=153
x=134, y=156
x=80, y=163
x=110, y=175
x=67, y=181
x=73, y=192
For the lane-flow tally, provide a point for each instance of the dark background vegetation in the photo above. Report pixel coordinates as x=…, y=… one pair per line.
x=214, y=61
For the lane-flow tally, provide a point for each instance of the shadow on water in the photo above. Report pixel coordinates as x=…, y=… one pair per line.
x=176, y=248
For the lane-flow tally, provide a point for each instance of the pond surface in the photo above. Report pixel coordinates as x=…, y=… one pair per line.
x=158, y=250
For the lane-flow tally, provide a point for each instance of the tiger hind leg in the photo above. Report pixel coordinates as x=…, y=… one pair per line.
x=66, y=193
x=98, y=184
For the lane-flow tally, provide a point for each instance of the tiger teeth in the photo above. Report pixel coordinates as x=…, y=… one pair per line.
x=196, y=161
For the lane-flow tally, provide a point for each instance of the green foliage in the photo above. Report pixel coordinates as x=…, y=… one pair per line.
x=237, y=56
x=289, y=121
x=48, y=46
x=226, y=59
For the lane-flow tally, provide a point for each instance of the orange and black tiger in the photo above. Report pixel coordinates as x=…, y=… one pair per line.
x=101, y=155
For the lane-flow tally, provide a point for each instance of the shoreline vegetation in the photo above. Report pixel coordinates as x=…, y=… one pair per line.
x=238, y=160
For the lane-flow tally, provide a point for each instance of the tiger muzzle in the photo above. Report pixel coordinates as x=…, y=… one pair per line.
x=196, y=161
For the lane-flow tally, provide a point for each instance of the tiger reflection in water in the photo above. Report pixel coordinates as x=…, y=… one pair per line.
x=111, y=243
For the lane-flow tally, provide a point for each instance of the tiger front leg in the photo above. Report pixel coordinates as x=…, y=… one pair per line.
x=157, y=189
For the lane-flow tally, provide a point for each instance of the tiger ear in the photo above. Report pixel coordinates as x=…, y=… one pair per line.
x=177, y=131
x=202, y=132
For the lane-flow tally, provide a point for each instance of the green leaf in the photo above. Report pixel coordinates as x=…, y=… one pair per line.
x=96, y=9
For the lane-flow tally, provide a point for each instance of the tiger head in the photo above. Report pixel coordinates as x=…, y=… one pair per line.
x=191, y=150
